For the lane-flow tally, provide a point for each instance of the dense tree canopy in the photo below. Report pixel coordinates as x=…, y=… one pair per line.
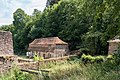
x=84, y=24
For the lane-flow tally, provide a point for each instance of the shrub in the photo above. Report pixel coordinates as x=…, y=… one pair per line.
x=110, y=57
x=41, y=58
x=99, y=59
x=16, y=74
x=116, y=59
x=91, y=59
x=37, y=58
x=73, y=58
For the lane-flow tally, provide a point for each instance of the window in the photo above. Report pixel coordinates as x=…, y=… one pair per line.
x=59, y=47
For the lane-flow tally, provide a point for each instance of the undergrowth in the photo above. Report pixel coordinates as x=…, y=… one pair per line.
x=72, y=70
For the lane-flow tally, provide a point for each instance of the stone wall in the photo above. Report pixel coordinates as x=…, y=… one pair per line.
x=38, y=64
x=6, y=42
x=61, y=50
x=113, y=47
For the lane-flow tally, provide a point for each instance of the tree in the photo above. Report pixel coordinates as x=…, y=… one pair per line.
x=104, y=26
x=51, y=2
x=84, y=24
x=21, y=20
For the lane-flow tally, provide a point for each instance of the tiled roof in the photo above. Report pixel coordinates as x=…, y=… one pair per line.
x=49, y=40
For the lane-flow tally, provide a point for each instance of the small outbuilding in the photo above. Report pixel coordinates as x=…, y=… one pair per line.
x=49, y=47
x=114, y=46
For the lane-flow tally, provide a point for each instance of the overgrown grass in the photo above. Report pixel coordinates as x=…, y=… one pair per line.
x=16, y=74
x=79, y=71
x=71, y=70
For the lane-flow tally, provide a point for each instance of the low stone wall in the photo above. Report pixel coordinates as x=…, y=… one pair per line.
x=30, y=65
x=4, y=68
x=6, y=62
x=36, y=65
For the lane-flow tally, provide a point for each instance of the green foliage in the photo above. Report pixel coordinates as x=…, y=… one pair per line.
x=91, y=59
x=72, y=70
x=16, y=74
x=51, y=2
x=110, y=57
x=116, y=59
x=37, y=58
x=103, y=27
x=87, y=24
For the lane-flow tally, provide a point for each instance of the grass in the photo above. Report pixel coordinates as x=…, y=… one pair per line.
x=16, y=74
x=70, y=70
x=79, y=71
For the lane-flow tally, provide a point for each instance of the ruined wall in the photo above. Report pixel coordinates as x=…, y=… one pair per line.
x=38, y=64
x=6, y=42
x=113, y=47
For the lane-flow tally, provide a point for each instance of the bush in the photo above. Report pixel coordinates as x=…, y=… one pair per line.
x=37, y=58
x=114, y=58
x=16, y=74
x=74, y=58
x=110, y=57
x=91, y=59
x=99, y=59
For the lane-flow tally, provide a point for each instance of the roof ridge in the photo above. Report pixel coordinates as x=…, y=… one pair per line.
x=49, y=40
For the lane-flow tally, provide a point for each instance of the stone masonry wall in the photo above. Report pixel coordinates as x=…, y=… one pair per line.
x=113, y=48
x=6, y=42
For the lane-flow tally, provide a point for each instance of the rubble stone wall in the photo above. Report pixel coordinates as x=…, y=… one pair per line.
x=113, y=48
x=6, y=42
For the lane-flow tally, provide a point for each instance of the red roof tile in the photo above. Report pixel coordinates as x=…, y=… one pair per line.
x=49, y=40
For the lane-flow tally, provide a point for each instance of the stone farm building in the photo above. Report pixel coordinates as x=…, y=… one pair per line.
x=49, y=47
x=6, y=43
x=114, y=46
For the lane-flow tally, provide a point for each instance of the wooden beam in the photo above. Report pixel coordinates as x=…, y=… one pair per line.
x=34, y=71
